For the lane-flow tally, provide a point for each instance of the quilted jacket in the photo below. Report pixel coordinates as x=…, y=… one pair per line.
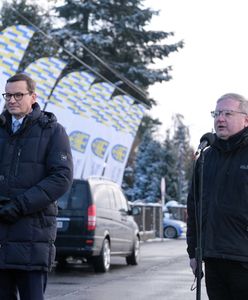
x=224, y=200
x=35, y=169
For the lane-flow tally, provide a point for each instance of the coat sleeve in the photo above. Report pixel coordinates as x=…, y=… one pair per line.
x=58, y=177
x=191, y=219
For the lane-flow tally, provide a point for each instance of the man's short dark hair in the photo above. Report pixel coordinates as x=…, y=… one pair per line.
x=23, y=77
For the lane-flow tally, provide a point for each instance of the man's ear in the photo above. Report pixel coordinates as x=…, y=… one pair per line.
x=34, y=97
x=246, y=121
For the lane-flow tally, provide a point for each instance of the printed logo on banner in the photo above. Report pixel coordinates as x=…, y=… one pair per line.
x=119, y=153
x=99, y=147
x=79, y=140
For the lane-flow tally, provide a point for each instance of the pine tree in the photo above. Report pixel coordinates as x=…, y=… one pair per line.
x=149, y=125
x=184, y=154
x=116, y=32
x=108, y=36
x=169, y=159
x=147, y=175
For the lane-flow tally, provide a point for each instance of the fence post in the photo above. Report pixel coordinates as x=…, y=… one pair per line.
x=154, y=219
x=144, y=221
x=161, y=222
x=163, y=192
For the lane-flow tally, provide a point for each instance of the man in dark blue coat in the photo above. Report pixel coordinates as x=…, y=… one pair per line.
x=224, y=203
x=35, y=170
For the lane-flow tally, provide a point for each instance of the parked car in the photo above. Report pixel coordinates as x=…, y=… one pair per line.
x=173, y=228
x=95, y=222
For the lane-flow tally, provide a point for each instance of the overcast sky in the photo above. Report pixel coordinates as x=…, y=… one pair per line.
x=214, y=60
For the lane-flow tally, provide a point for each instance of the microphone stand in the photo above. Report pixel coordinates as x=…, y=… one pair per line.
x=199, y=228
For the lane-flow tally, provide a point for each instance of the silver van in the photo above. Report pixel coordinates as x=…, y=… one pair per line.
x=95, y=222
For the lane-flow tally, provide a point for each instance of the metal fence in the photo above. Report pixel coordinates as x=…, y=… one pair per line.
x=150, y=220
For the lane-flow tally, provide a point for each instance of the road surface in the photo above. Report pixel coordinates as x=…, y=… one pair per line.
x=163, y=273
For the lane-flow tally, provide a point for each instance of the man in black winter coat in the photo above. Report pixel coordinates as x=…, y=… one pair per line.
x=224, y=203
x=35, y=170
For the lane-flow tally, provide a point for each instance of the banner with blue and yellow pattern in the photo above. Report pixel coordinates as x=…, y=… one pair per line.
x=101, y=128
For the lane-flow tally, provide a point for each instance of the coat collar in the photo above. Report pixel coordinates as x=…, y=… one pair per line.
x=236, y=141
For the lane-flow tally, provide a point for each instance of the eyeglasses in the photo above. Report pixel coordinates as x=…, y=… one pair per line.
x=17, y=96
x=226, y=113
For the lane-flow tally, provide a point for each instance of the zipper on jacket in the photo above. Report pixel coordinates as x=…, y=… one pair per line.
x=17, y=160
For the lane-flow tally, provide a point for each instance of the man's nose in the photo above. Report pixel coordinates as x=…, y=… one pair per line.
x=221, y=116
x=12, y=98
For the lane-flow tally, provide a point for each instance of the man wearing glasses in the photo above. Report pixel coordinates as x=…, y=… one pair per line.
x=224, y=203
x=35, y=170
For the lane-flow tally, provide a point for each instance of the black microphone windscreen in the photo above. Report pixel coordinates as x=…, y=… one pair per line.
x=209, y=137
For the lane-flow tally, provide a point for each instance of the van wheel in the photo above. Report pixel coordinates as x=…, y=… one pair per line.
x=101, y=263
x=133, y=259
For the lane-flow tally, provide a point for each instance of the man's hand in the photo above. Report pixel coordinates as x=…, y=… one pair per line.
x=193, y=265
x=10, y=212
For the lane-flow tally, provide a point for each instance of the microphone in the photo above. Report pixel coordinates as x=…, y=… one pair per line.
x=206, y=140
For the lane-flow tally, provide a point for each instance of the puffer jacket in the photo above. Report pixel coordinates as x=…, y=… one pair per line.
x=224, y=201
x=35, y=169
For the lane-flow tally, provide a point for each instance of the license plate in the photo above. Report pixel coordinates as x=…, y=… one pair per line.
x=59, y=224
x=62, y=223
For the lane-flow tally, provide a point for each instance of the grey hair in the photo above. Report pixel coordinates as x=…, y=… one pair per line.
x=243, y=102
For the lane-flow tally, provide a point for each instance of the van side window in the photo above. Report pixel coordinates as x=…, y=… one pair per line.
x=120, y=200
x=102, y=196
